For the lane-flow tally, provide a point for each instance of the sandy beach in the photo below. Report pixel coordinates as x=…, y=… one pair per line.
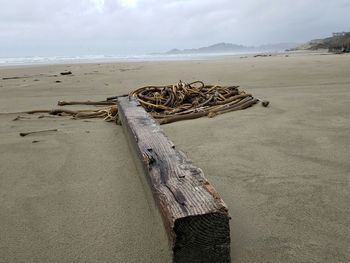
x=75, y=195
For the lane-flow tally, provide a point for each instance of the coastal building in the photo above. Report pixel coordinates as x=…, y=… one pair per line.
x=339, y=43
x=340, y=34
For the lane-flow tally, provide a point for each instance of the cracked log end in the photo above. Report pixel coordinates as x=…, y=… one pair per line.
x=202, y=238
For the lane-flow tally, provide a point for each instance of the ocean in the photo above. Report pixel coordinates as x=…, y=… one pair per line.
x=43, y=60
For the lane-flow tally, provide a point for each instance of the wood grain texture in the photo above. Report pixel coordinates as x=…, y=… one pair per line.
x=194, y=215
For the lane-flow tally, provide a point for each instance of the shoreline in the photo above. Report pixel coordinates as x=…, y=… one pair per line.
x=64, y=60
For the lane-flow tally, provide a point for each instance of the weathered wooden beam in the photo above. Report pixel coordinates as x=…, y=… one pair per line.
x=194, y=215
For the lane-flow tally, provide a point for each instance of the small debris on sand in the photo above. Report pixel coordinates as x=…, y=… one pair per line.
x=265, y=103
x=66, y=73
x=262, y=55
x=20, y=117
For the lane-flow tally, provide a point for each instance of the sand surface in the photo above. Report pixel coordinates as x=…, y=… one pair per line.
x=76, y=196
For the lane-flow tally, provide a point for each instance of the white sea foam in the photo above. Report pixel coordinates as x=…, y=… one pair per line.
x=37, y=60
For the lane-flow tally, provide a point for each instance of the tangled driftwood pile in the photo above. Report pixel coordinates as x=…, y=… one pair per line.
x=189, y=101
x=171, y=103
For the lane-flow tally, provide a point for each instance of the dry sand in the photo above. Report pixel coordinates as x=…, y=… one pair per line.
x=75, y=196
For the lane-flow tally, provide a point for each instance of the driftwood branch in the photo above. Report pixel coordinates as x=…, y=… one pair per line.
x=194, y=215
x=63, y=103
x=32, y=132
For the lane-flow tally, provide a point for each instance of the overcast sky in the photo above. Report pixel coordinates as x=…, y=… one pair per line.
x=69, y=27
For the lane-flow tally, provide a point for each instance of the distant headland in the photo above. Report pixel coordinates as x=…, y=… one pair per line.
x=230, y=48
x=339, y=42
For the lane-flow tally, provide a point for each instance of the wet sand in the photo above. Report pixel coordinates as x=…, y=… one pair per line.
x=75, y=195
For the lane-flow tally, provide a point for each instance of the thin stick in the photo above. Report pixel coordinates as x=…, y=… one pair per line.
x=62, y=103
x=32, y=132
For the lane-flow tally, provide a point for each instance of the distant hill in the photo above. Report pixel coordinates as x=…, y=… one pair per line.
x=216, y=48
x=229, y=47
x=339, y=42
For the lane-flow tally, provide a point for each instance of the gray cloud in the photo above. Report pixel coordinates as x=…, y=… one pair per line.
x=41, y=27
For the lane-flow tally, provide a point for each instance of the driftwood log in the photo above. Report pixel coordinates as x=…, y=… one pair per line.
x=195, y=217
